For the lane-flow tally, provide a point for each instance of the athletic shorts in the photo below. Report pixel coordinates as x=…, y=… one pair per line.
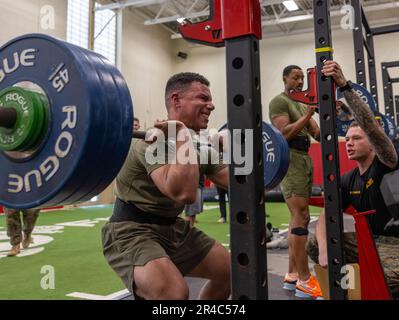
x=299, y=178
x=128, y=244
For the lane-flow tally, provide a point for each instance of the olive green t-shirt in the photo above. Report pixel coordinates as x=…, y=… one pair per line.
x=134, y=183
x=282, y=105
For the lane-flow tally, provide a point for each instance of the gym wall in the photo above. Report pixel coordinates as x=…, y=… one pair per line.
x=275, y=54
x=147, y=63
x=27, y=16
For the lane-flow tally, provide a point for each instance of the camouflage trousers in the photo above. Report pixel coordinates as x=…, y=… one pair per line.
x=15, y=226
x=388, y=251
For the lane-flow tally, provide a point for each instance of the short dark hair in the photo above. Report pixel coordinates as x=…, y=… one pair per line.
x=181, y=81
x=287, y=70
x=136, y=119
x=354, y=124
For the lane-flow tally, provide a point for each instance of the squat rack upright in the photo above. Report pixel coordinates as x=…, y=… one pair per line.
x=391, y=109
x=359, y=42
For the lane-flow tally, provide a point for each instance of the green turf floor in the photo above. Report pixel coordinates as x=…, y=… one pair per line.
x=75, y=253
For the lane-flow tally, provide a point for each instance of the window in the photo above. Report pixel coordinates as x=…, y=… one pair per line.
x=104, y=28
x=105, y=34
x=78, y=22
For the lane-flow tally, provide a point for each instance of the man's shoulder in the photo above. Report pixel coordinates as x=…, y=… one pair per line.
x=280, y=98
x=347, y=176
x=279, y=105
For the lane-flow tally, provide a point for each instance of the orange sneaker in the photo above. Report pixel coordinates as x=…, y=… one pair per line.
x=309, y=289
x=290, y=281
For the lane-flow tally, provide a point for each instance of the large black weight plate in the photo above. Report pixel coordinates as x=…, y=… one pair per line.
x=52, y=173
x=120, y=123
x=388, y=125
x=342, y=127
x=93, y=154
x=102, y=160
x=363, y=93
x=276, y=155
x=124, y=125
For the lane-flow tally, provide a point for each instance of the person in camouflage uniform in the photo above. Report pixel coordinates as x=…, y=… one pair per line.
x=375, y=155
x=388, y=251
x=15, y=227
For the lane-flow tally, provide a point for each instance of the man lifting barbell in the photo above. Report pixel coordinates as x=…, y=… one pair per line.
x=145, y=241
x=375, y=155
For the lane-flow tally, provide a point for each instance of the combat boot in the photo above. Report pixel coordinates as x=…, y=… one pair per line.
x=14, y=251
x=27, y=241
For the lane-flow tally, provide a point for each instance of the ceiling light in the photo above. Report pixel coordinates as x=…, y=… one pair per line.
x=290, y=5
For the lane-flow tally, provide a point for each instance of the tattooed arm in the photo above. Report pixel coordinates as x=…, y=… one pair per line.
x=382, y=145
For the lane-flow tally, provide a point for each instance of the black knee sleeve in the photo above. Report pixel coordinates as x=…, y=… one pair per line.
x=299, y=231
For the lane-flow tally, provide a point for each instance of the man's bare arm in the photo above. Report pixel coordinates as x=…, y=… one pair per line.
x=221, y=178
x=321, y=239
x=291, y=130
x=179, y=181
x=381, y=143
x=314, y=129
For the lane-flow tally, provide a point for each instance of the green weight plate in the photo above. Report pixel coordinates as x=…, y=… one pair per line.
x=17, y=137
x=39, y=119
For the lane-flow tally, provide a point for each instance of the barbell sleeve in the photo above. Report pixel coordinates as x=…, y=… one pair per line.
x=139, y=134
x=8, y=117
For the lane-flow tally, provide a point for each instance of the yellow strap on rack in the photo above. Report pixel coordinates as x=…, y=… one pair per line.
x=324, y=49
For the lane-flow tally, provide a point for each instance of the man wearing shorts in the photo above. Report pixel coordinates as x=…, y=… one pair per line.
x=295, y=122
x=145, y=242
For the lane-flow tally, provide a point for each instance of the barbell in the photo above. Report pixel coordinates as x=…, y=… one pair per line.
x=276, y=155
x=66, y=118
x=71, y=111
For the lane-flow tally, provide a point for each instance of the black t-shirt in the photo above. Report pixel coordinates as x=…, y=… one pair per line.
x=363, y=193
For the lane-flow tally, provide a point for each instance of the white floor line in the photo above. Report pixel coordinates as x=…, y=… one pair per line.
x=88, y=296
x=210, y=207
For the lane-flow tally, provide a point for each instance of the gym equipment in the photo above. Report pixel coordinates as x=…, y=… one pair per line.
x=363, y=93
x=391, y=109
x=388, y=125
x=363, y=38
x=372, y=278
x=244, y=111
x=310, y=97
x=329, y=146
x=25, y=118
x=276, y=155
x=73, y=109
x=390, y=191
x=63, y=118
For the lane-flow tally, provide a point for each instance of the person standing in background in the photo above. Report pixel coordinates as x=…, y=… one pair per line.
x=20, y=231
